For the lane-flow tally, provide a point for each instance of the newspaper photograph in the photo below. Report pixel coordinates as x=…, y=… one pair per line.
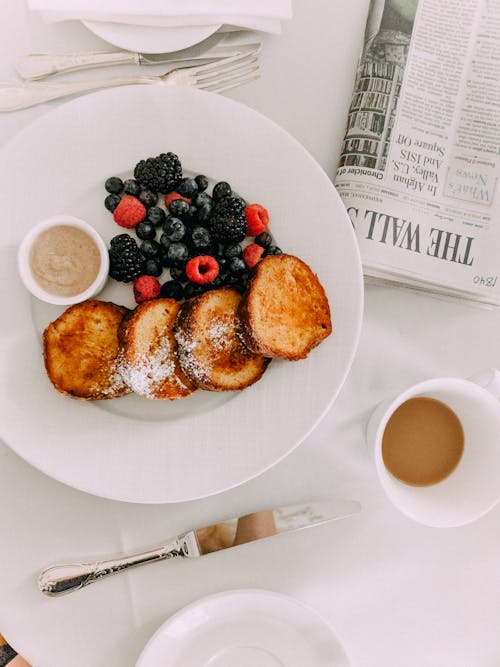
x=420, y=158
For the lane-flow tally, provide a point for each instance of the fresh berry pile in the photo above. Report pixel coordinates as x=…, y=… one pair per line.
x=200, y=240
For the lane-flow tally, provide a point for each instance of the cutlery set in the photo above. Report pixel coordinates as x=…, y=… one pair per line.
x=215, y=67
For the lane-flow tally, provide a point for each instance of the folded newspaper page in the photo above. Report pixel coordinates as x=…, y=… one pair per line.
x=420, y=159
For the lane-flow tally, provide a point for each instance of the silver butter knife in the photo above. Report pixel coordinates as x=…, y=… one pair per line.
x=225, y=534
x=36, y=66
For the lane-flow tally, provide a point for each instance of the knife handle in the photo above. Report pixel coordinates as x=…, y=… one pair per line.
x=59, y=579
x=39, y=65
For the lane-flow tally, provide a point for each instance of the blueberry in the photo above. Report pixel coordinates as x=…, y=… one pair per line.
x=152, y=267
x=145, y=230
x=178, y=273
x=264, y=239
x=191, y=216
x=201, y=182
x=114, y=185
x=150, y=249
x=221, y=190
x=177, y=253
x=174, y=228
x=203, y=212
x=132, y=187
x=148, y=198
x=163, y=256
x=233, y=250
x=156, y=215
x=187, y=187
x=178, y=207
x=200, y=237
x=172, y=289
x=194, y=289
x=202, y=198
x=111, y=202
x=165, y=241
x=272, y=250
x=236, y=265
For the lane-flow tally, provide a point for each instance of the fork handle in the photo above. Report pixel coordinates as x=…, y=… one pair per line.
x=38, y=65
x=21, y=96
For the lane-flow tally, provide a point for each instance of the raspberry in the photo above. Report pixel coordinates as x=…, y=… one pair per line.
x=175, y=195
x=129, y=212
x=257, y=219
x=146, y=288
x=252, y=254
x=202, y=269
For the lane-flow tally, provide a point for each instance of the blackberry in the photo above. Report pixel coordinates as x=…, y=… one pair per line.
x=159, y=174
x=125, y=259
x=228, y=223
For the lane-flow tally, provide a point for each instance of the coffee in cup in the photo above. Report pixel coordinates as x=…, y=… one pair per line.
x=455, y=478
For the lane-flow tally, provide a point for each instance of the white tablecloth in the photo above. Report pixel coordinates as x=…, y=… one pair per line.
x=397, y=594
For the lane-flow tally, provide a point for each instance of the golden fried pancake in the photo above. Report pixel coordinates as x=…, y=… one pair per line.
x=285, y=311
x=148, y=351
x=210, y=352
x=80, y=351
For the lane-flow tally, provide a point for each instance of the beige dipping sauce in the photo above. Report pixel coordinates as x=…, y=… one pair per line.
x=64, y=260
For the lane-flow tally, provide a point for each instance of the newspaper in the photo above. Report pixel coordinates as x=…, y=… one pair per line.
x=420, y=159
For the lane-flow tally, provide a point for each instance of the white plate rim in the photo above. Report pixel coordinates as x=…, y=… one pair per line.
x=155, y=496
x=265, y=594
x=150, y=39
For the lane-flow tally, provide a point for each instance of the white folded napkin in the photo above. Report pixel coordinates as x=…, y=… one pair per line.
x=264, y=15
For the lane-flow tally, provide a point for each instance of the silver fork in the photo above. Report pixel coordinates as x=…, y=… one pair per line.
x=217, y=77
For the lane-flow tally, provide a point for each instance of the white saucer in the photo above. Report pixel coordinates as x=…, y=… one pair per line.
x=150, y=39
x=245, y=628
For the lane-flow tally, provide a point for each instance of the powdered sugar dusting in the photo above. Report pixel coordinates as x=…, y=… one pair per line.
x=149, y=374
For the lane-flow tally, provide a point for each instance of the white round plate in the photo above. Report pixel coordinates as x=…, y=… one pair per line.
x=150, y=39
x=131, y=448
x=245, y=628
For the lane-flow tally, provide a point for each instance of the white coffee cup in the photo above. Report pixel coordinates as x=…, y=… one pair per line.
x=473, y=488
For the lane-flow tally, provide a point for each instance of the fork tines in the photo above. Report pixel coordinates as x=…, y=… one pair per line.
x=229, y=73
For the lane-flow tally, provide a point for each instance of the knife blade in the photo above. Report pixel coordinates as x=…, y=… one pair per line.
x=224, y=534
x=35, y=66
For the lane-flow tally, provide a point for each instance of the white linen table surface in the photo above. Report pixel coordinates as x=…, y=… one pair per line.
x=397, y=594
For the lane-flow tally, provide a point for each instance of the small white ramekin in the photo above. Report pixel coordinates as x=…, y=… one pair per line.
x=24, y=267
